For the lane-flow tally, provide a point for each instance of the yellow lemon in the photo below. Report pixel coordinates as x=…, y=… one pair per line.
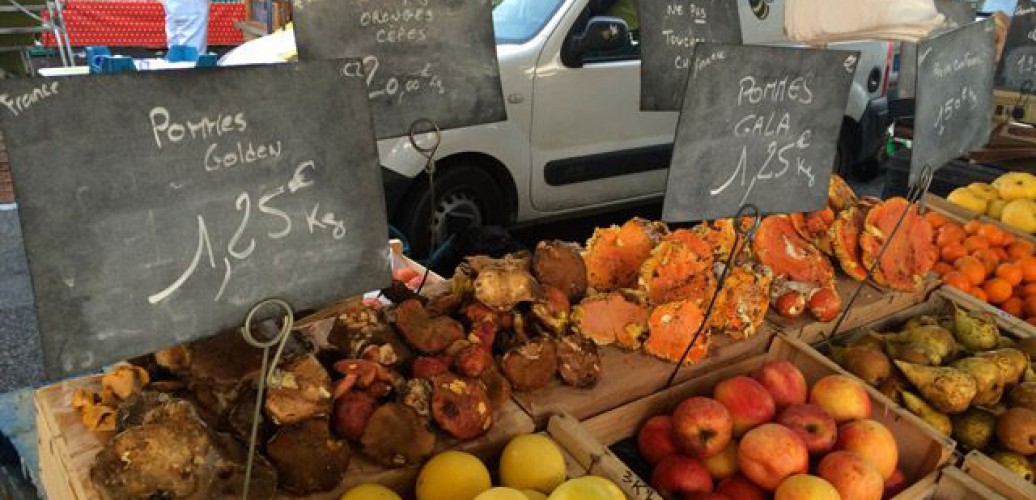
x=1021, y=215
x=370, y=492
x=984, y=191
x=996, y=208
x=964, y=197
x=452, y=475
x=607, y=485
x=1016, y=186
x=534, y=495
x=585, y=488
x=501, y=494
x=532, y=462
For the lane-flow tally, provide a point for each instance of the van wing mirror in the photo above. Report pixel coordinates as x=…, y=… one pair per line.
x=602, y=33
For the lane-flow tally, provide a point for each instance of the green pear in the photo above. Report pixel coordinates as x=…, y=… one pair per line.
x=940, y=421
x=949, y=390
x=987, y=376
x=1023, y=395
x=869, y=364
x=976, y=331
x=974, y=428
x=1012, y=362
x=919, y=321
x=936, y=342
x=1015, y=463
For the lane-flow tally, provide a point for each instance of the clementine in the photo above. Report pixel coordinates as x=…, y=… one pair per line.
x=1028, y=289
x=973, y=243
x=972, y=226
x=973, y=269
x=952, y=252
x=957, y=280
x=998, y=290
x=979, y=294
x=1020, y=249
x=1028, y=266
x=992, y=234
x=1013, y=306
x=1012, y=273
x=950, y=233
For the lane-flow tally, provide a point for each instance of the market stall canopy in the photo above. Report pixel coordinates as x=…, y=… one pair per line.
x=823, y=21
x=433, y=59
x=172, y=203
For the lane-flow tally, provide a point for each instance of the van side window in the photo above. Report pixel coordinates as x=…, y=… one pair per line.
x=622, y=9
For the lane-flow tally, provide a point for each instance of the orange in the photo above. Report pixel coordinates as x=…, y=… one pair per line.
x=992, y=234
x=978, y=293
x=941, y=268
x=935, y=219
x=972, y=243
x=972, y=226
x=1014, y=306
x=951, y=232
x=1020, y=249
x=957, y=280
x=1028, y=265
x=1028, y=289
x=973, y=269
x=988, y=258
x=952, y=252
x=1000, y=254
x=1011, y=273
x=1008, y=238
x=998, y=290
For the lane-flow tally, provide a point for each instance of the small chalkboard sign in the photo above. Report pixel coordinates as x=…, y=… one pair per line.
x=159, y=207
x=669, y=31
x=432, y=59
x=953, y=110
x=759, y=126
x=1018, y=61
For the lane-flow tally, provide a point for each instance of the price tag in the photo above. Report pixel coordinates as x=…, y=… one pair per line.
x=1018, y=61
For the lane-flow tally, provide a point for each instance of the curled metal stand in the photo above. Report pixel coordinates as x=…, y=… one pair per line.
x=742, y=238
x=266, y=373
x=915, y=196
x=419, y=127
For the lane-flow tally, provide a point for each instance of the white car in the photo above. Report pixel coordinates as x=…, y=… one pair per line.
x=575, y=138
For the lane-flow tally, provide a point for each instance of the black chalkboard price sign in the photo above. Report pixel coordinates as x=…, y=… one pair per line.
x=669, y=31
x=1018, y=62
x=432, y=59
x=954, y=105
x=759, y=126
x=160, y=207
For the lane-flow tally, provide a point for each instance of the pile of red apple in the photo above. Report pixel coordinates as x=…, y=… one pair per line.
x=770, y=435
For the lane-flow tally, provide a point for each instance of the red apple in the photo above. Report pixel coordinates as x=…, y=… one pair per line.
x=770, y=453
x=680, y=475
x=701, y=427
x=853, y=477
x=748, y=402
x=841, y=397
x=785, y=382
x=805, y=487
x=873, y=442
x=738, y=487
x=655, y=439
x=895, y=484
x=723, y=464
x=816, y=428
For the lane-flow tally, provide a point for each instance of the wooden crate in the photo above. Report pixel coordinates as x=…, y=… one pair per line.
x=922, y=451
x=962, y=215
x=993, y=475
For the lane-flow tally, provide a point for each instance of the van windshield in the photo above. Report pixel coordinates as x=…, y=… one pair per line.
x=517, y=21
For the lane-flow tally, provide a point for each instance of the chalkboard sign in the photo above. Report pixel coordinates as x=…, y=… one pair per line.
x=759, y=125
x=160, y=207
x=669, y=31
x=953, y=111
x=957, y=12
x=431, y=59
x=1018, y=62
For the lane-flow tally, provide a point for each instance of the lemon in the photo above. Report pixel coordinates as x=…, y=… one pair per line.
x=452, y=475
x=984, y=191
x=1021, y=215
x=968, y=199
x=501, y=494
x=996, y=208
x=1016, y=186
x=532, y=462
x=587, y=488
x=534, y=495
x=370, y=492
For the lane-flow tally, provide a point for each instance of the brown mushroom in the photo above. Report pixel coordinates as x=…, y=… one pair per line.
x=125, y=380
x=307, y=457
x=559, y=264
x=428, y=334
x=99, y=418
x=396, y=436
x=351, y=413
x=461, y=407
x=531, y=365
x=579, y=363
x=299, y=391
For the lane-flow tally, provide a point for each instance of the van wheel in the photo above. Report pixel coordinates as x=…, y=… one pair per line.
x=462, y=190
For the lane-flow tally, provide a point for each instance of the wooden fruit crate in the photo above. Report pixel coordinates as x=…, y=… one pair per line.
x=67, y=448
x=953, y=484
x=962, y=215
x=921, y=451
x=993, y=475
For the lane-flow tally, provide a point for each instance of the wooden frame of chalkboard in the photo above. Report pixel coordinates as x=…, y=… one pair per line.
x=953, y=110
x=433, y=59
x=1018, y=61
x=158, y=207
x=669, y=32
x=759, y=126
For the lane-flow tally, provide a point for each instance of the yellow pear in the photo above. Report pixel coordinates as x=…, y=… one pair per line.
x=1020, y=214
x=966, y=198
x=1016, y=186
x=984, y=191
x=995, y=208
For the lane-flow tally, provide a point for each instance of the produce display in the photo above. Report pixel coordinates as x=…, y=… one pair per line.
x=770, y=435
x=532, y=467
x=1010, y=199
x=987, y=262
x=960, y=375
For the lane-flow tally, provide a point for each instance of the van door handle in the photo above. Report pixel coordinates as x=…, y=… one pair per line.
x=515, y=98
